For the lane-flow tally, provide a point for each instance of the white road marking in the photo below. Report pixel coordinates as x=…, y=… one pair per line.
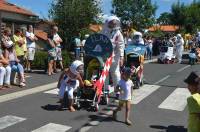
x=51, y=127
x=177, y=100
x=53, y=91
x=143, y=92
x=180, y=70
x=9, y=120
x=161, y=80
x=96, y=122
x=23, y=93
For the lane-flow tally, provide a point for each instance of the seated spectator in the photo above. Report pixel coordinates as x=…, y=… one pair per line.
x=4, y=72
x=14, y=62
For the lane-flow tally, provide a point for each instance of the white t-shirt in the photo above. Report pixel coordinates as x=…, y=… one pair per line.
x=125, y=87
x=56, y=37
x=30, y=44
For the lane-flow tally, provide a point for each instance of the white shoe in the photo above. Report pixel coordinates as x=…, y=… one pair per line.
x=22, y=84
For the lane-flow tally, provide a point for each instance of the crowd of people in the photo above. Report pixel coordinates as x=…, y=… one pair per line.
x=17, y=54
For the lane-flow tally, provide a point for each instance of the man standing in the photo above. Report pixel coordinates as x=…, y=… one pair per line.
x=57, y=40
x=31, y=38
x=112, y=30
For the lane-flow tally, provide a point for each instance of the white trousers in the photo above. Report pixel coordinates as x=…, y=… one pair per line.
x=5, y=73
x=64, y=87
x=179, y=53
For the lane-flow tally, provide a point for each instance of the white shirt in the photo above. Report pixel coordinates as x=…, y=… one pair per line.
x=126, y=88
x=56, y=38
x=30, y=44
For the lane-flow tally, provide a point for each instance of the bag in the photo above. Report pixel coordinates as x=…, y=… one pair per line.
x=52, y=53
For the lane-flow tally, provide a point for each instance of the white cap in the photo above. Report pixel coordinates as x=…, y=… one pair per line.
x=111, y=18
x=74, y=66
x=178, y=35
x=137, y=34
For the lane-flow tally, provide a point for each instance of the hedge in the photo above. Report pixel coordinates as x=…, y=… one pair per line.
x=41, y=59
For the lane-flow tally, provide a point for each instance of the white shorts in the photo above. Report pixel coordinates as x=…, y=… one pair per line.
x=58, y=54
x=30, y=54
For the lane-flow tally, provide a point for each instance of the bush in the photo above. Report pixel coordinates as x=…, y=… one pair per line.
x=41, y=59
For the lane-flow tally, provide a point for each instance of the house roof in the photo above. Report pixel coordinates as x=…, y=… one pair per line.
x=95, y=27
x=164, y=28
x=8, y=7
x=41, y=34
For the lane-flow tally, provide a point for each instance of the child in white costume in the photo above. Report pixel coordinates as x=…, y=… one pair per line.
x=69, y=81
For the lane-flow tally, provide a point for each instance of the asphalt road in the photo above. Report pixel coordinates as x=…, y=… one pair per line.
x=159, y=107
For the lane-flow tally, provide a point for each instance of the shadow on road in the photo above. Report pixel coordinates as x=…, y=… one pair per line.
x=170, y=128
x=50, y=107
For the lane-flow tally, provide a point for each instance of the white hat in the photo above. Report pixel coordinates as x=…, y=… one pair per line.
x=9, y=44
x=74, y=66
x=137, y=34
x=178, y=35
x=111, y=18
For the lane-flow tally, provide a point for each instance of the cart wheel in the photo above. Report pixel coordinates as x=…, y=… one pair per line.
x=95, y=108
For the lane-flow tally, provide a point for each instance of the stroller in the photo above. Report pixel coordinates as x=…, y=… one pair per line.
x=134, y=58
x=98, y=48
x=166, y=54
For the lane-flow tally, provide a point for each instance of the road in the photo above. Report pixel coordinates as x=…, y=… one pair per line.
x=159, y=106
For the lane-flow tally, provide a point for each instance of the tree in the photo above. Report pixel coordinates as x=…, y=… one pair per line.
x=164, y=19
x=141, y=13
x=74, y=16
x=178, y=16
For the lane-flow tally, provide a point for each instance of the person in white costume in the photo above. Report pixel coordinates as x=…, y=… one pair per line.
x=137, y=38
x=179, y=47
x=112, y=30
x=69, y=81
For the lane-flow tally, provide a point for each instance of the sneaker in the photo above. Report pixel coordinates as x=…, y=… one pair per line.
x=128, y=122
x=22, y=84
x=7, y=85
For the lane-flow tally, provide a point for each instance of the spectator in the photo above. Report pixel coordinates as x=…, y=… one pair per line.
x=51, y=52
x=24, y=45
x=57, y=40
x=4, y=72
x=193, y=102
x=18, y=45
x=77, y=42
x=5, y=69
x=31, y=38
x=149, y=43
x=14, y=62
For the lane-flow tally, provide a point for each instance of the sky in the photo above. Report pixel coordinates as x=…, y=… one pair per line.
x=41, y=7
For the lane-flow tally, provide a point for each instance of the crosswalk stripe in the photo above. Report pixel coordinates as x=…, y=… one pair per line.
x=143, y=92
x=52, y=127
x=53, y=91
x=177, y=100
x=9, y=120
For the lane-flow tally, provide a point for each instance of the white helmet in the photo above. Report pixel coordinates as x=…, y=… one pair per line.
x=74, y=66
x=178, y=36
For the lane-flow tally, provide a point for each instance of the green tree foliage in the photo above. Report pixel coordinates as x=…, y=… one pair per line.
x=73, y=16
x=186, y=16
x=140, y=13
x=164, y=19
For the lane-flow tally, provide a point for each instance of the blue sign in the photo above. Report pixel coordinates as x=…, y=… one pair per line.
x=98, y=45
x=135, y=48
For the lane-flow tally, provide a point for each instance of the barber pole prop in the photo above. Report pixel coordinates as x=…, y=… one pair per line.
x=100, y=83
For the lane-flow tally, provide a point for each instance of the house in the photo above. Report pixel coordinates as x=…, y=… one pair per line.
x=44, y=25
x=14, y=16
x=164, y=28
